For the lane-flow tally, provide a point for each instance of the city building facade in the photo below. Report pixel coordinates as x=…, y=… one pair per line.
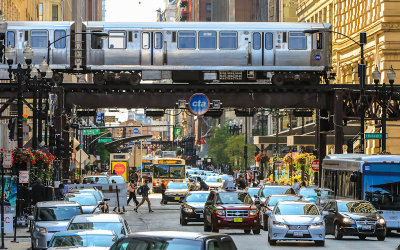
x=19, y=10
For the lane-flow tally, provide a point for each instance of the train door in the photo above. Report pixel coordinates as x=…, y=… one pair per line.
x=95, y=48
x=39, y=40
x=257, y=54
x=152, y=48
x=263, y=49
x=59, y=54
x=269, y=50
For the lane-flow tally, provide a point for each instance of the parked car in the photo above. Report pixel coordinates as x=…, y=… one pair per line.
x=308, y=194
x=267, y=190
x=87, y=200
x=231, y=210
x=192, y=207
x=98, y=239
x=270, y=203
x=99, y=197
x=253, y=192
x=50, y=217
x=296, y=220
x=113, y=222
x=175, y=240
x=175, y=191
x=214, y=182
x=103, y=179
x=353, y=217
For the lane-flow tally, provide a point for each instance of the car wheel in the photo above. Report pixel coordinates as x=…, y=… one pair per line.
x=362, y=237
x=165, y=202
x=381, y=237
x=271, y=242
x=183, y=221
x=338, y=234
x=256, y=231
x=213, y=228
x=320, y=243
x=247, y=231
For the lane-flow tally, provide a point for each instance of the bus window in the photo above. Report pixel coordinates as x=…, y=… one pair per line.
x=186, y=40
x=297, y=41
x=228, y=40
x=39, y=38
x=256, y=41
x=160, y=171
x=10, y=39
x=177, y=171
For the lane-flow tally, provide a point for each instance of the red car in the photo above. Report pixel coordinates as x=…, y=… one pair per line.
x=231, y=210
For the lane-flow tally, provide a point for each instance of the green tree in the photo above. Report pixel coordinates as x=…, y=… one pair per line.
x=217, y=144
x=235, y=151
x=101, y=149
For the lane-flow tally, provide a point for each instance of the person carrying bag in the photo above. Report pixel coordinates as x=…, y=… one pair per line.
x=132, y=192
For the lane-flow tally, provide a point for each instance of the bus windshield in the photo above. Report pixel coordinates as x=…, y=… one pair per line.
x=169, y=171
x=382, y=185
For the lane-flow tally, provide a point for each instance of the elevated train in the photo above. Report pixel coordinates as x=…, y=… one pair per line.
x=193, y=52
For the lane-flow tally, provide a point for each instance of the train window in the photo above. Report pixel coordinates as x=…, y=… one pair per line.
x=269, y=41
x=39, y=39
x=130, y=36
x=186, y=40
x=59, y=34
x=207, y=40
x=145, y=40
x=26, y=35
x=11, y=38
x=96, y=42
x=116, y=40
x=256, y=41
x=284, y=38
x=174, y=37
x=158, y=40
x=297, y=41
x=228, y=40
x=319, y=41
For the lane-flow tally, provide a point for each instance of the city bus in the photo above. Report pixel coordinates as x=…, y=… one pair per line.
x=146, y=168
x=374, y=178
x=166, y=170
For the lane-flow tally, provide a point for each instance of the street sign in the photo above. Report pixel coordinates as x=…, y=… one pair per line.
x=23, y=176
x=376, y=136
x=199, y=104
x=136, y=131
x=315, y=165
x=178, y=131
x=104, y=140
x=91, y=131
x=7, y=160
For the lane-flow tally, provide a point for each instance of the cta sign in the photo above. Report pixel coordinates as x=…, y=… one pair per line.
x=199, y=104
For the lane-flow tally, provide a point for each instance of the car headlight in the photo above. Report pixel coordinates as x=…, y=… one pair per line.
x=253, y=212
x=41, y=229
x=220, y=212
x=279, y=224
x=188, y=210
x=347, y=220
x=318, y=224
x=381, y=221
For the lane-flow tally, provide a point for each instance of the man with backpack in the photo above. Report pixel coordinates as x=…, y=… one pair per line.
x=144, y=191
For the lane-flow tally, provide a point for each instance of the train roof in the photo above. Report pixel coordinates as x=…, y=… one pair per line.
x=39, y=23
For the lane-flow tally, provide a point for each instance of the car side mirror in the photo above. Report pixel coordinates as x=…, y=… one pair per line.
x=331, y=210
x=106, y=199
x=208, y=203
x=325, y=213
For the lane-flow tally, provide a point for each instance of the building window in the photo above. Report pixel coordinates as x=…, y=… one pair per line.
x=208, y=19
x=256, y=41
x=40, y=9
x=208, y=7
x=297, y=41
x=59, y=34
x=158, y=40
x=39, y=39
x=186, y=40
x=54, y=10
x=116, y=40
x=10, y=38
x=227, y=40
x=207, y=40
x=269, y=41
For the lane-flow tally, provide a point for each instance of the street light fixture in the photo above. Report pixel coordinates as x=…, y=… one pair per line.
x=43, y=67
x=376, y=75
x=49, y=73
x=34, y=72
x=391, y=75
x=9, y=54
x=28, y=54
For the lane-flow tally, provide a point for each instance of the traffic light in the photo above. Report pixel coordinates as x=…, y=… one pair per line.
x=60, y=146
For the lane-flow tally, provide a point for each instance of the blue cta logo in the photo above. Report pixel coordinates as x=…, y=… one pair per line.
x=317, y=57
x=136, y=131
x=199, y=104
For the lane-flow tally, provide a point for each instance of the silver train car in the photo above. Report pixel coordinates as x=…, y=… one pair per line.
x=187, y=52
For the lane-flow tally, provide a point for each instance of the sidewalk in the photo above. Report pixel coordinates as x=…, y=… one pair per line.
x=23, y=240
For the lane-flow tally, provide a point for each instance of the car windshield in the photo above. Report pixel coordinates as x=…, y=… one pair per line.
x=356, y=207
x=274, y=199
x=226, y=177
x=94, y=192
x=213, y=179
x=308, y=192
x=233, y=198
x=174, y=185
x=267, y=191
x=84, y=200
x=117, y=179
x=101, y=180
x=196, y=197
x=296, y=209
x=83, y=241
x=118, y=228
x=253, y=191
x=159, y=243
x=57, y=213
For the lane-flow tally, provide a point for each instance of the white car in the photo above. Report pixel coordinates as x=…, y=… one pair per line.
x=214, y=182
x=296, y=220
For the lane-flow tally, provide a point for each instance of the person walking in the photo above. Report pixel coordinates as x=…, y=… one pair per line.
x=132, y=193
x=241, y=183
x=144, y=191
x=38, y=192
x=163, y=188
x=296, y=186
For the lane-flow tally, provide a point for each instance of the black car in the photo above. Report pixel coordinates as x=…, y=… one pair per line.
x=174, y=240
x=355, y=218
x=192, y=207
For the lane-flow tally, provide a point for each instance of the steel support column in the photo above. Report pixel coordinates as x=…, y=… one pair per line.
x=338, y=122
x=323, y=128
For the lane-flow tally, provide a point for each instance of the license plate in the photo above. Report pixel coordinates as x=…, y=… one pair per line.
x=297, y=234
x=237, y=219
x=201, y=216
x=366, y=227
x=177, y=198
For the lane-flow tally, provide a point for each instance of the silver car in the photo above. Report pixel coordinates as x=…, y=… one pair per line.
x=93, y=239
x=296, y=220
x=87, y=200
x=50, y=217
